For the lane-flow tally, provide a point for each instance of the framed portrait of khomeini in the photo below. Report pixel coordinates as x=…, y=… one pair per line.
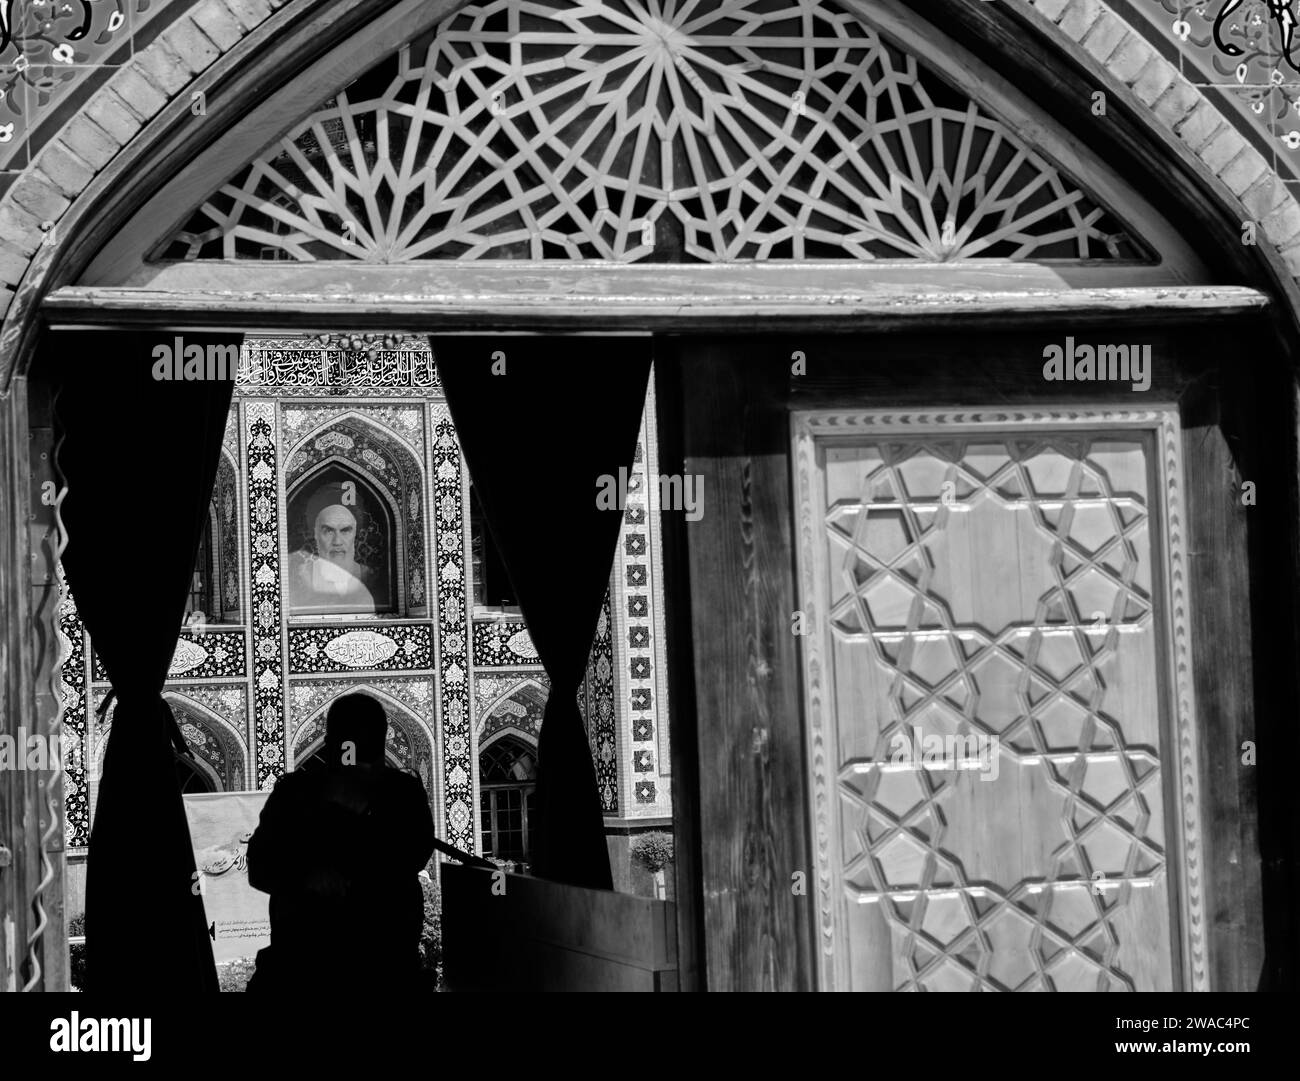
x=340, y=547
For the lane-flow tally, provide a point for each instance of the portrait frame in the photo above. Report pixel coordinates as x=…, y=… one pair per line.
x=356, y=577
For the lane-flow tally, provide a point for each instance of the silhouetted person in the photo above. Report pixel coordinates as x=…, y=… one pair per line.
x=339, y=851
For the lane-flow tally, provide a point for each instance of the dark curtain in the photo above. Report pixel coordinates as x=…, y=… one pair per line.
x=539, y=441
x=139, y=456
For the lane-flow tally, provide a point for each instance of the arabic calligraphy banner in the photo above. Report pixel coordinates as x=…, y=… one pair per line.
x=221, y=823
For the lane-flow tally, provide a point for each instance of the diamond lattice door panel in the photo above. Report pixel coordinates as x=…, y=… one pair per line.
x=1003, y=774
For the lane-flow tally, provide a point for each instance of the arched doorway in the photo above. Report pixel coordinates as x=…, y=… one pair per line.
x=1047, y=213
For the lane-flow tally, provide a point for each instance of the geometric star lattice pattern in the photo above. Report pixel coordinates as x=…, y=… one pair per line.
x=663, y=131
x=1000, y=589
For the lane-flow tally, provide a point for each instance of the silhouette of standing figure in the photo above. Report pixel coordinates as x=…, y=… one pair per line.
x=340, y=850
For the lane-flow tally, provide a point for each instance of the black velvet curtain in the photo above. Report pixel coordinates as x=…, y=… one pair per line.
x=542, y=425
x=139, y=457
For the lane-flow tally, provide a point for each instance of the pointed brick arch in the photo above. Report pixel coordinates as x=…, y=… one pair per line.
x=54, y=215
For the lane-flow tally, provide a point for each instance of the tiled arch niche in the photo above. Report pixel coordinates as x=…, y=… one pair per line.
x=409, y=742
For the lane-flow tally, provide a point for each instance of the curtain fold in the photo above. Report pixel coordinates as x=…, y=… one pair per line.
x=139, y=455
x=545, y=425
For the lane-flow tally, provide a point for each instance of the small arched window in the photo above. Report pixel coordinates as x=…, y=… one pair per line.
x=507, y=786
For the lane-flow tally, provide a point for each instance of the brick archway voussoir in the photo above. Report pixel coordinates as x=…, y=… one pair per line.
x=115, y=114
x=1246, y=177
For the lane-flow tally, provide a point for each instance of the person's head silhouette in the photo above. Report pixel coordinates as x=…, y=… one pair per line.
x=355, y=730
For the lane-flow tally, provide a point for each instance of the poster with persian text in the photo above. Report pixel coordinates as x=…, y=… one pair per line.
x=221, y=823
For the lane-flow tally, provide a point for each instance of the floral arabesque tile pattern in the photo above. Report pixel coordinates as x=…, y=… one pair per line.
x=47, y=47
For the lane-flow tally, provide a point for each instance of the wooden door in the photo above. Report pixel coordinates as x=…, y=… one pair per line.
x=995, y=627
x=1179, y=684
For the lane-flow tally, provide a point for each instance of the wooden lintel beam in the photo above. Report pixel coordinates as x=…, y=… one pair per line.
x=77, y=306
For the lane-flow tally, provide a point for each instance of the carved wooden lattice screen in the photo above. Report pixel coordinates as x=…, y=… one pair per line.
x=669, y=131
x=999, y=716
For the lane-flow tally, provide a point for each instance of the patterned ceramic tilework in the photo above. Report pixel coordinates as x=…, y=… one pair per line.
x=227, y=701
x=398, y=743
x=268, y=643
x=360, y=647
x=300, y=367
x=386, y=460
x=487, y=689
x=635, y=578
x=1242, y=51
x=76, y=808
x=406, y=422
x=655, y=562
x=210, y=742
x=226, y=496
x=518, y=701
x=98, y=726
x=1236, y=53
x=596, y=697
x=459, y=798
x=520, y=710
x=230, y=437
x=352, y=440
x=640, y=686
x=211, y=654
x=407, y=739
x=198, y=656
x=102, y=720
x=49, y=46
x=306, y=738
x=308, y=697
x=503, y=644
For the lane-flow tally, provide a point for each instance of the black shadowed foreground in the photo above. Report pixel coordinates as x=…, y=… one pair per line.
x=556, y=540
x=138, y=456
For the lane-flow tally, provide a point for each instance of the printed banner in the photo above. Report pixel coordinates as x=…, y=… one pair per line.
x=221, y=823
